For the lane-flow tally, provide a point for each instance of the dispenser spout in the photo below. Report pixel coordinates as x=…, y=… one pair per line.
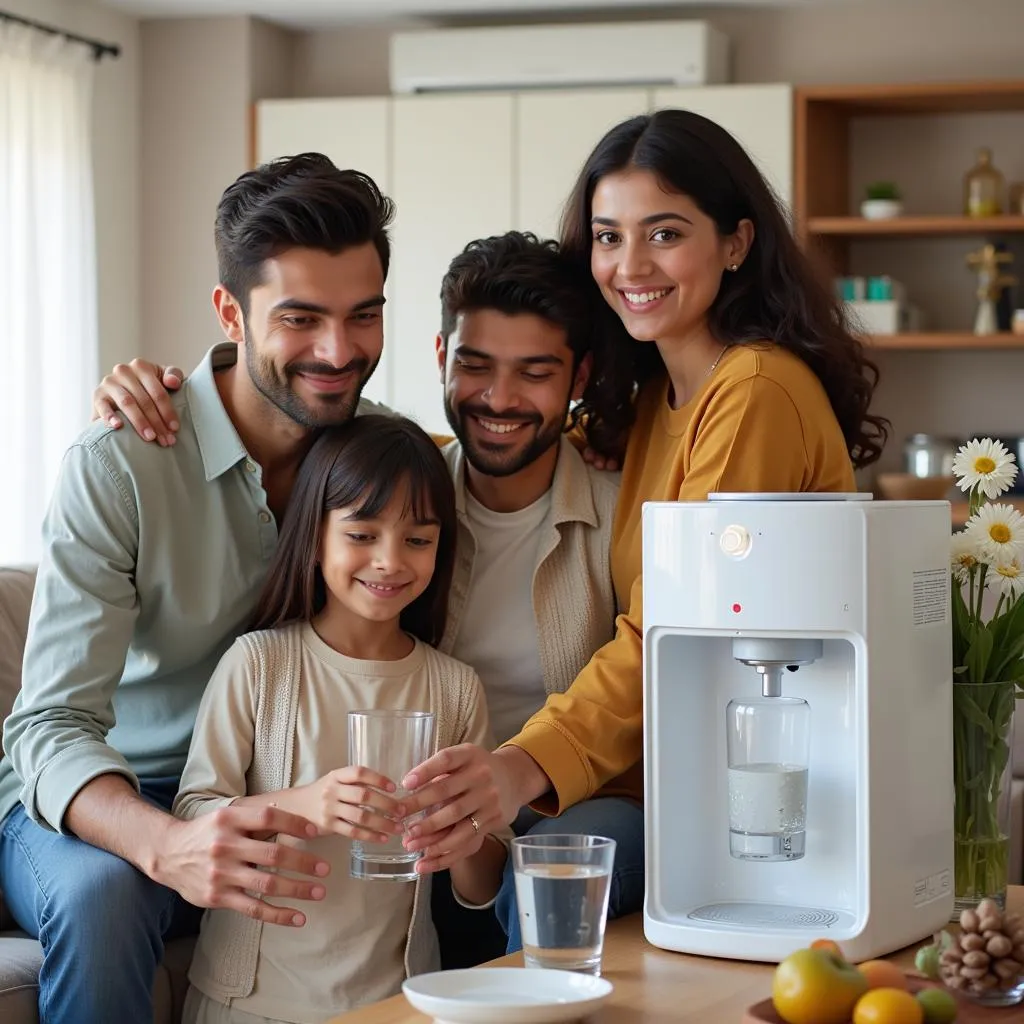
x=770, y=656
x=771, y=680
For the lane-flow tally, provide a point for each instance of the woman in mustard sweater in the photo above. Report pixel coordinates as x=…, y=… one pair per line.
x=727, y=364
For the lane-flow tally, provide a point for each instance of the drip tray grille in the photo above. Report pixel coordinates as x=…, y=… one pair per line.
x=770, y=915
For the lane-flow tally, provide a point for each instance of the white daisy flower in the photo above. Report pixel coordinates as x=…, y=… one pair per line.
x=984, y=464
x=964, y=556
x=1010, y=578
x=997, y=531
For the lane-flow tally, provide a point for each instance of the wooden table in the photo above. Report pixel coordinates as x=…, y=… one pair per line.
x=654, y=986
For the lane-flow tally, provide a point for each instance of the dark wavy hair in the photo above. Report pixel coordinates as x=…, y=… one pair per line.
x=361, y=464
x=295, y=202
x=517, y=272
x=776, y=295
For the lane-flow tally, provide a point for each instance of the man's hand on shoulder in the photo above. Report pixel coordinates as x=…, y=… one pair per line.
x=139, y=392
x=577, y=435
x=592, y=458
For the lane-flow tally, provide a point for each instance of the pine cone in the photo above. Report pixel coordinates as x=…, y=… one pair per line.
x=988, y=953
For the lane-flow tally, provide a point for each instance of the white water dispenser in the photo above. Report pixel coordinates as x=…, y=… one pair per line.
x=797, y=723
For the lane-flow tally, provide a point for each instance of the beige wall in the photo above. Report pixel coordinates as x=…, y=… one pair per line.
x=115, y=164
x=348, y=61
x=877, y=41
x=195, y=75
x=199, y=79
x=272, y=53
x=857, y=41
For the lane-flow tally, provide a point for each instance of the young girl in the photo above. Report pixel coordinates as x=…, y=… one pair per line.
x=355, y=597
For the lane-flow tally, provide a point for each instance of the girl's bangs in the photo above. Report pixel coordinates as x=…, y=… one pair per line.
x=397, y=471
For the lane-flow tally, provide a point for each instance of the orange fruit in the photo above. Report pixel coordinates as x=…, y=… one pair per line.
x=882, y=974
x=888, y=1006
x=813, y=986
x=829, y=945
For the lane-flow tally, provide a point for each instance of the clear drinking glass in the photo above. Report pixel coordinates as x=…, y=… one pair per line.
x=769, y=748
x=562, y=884
x=392, y=743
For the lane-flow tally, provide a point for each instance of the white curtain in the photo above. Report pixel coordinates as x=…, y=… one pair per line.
x=48, y=331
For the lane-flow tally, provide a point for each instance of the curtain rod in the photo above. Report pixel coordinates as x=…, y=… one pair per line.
x=99, y=48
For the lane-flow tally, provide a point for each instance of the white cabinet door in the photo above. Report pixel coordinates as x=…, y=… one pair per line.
x=452, y=180
x=354, y=133
x=555, y=133
x=760, y=117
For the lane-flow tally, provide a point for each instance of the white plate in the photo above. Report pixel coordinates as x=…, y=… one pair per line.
x=506, y=995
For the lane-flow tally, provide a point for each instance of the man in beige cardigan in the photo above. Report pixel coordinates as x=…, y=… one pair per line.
x=532, y=595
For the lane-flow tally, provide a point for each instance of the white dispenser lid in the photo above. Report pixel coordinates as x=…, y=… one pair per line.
x=790, y=496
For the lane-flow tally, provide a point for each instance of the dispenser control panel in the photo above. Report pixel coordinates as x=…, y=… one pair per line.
x=735, y=541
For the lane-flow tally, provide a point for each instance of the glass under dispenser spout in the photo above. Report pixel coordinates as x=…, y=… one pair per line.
x=768, y=745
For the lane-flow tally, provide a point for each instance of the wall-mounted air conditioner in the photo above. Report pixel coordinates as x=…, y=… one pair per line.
x=552, y=56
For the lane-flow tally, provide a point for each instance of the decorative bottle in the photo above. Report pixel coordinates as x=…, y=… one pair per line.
x=983, y=187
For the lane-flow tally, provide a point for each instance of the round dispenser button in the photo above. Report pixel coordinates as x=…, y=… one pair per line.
x=735, y=541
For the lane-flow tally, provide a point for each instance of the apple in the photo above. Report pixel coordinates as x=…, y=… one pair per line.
x=814, y=986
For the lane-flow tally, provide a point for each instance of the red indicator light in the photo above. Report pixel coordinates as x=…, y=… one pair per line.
x=737, y=608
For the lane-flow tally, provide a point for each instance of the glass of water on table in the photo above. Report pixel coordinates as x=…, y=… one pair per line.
x=562, y=885
x=391, y=743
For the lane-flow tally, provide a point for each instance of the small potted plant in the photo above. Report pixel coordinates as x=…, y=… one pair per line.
x=882, y=201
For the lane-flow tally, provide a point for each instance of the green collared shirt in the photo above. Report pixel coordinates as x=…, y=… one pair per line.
x=153, y=561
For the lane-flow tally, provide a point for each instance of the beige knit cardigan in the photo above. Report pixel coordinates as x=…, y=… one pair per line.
x=274, y=659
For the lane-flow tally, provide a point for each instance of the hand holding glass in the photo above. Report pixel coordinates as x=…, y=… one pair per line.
x=391, y=743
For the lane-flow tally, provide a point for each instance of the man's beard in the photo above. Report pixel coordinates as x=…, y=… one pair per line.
x=333, y=409
x=500, y=459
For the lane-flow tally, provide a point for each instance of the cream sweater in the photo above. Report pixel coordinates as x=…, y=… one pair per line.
x=573, y=596
x=225, y=964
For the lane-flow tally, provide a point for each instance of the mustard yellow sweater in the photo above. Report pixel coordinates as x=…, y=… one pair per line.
x=761, y=422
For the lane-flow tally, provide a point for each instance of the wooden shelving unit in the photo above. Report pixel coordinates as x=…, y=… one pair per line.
x=821, y=200
x=959, y=508
x=933, y=341
x=821, y=193
x=936, y=225
x=919, y=97
x=822, y=210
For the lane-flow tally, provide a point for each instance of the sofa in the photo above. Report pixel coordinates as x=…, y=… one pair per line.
x=21, y=956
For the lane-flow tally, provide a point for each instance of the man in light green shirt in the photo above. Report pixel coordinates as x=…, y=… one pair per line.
x=153, y=562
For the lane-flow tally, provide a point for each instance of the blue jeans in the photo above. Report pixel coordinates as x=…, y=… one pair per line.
x=466, y=937
x=101, y=922
x=612, y=817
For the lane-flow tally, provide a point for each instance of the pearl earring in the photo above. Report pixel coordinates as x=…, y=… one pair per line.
x=734, y=267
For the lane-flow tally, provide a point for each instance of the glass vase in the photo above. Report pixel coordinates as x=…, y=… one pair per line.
x=997, y=996
x=982, y=738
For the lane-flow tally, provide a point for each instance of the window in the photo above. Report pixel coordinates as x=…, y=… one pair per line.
x=48, y=332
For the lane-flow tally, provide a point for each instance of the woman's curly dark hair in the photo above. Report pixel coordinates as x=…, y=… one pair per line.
x=775, y=295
